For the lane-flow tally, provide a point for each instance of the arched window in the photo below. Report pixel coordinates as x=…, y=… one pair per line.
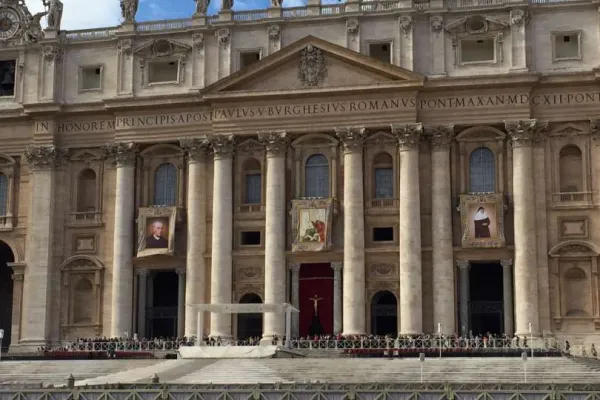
x=482, y=171
x=3, y=194
x=384, y=176
x=571, y=169
x=86, y=191
x=83, y=302
x=252, y=182
x=316, y=176
x=165, y=185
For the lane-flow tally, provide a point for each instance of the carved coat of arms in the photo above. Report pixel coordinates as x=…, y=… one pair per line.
x=312, y=66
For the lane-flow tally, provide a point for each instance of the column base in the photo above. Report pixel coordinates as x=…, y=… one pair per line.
x=31, y=345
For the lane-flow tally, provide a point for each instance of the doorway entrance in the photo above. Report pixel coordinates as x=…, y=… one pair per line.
x=486, y=302
x=384, y=314
x=163, y=313
x=250, y=325
x=6, y=293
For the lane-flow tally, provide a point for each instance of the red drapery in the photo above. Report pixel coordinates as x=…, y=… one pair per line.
x=316, y=279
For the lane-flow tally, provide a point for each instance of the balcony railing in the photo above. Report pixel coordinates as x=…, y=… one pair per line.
x=381, y=203
x=91, y=34
x=6, y=222
x=572, y=197
x=86, y=217
x=163, y=25
x=248, y=208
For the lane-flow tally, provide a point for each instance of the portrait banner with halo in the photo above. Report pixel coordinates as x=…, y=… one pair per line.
x=482, y=218
x=156, y=231
x=311, y=221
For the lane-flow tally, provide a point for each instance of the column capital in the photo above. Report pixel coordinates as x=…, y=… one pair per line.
x=525, y=131
x=463, y=264
x=142, y=272
x=294, y=267
x=120, y=154
x=222, y=145
x=441, y=136
x=352, y=137
x=595, y=130
x=275, y=142
x=18, y=277
x=408, y=135
x=180, y=271
x=44, y=157
x=195, y=148
x=337, y=266
x=506, y=262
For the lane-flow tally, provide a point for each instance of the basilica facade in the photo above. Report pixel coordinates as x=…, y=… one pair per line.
x=387, y=167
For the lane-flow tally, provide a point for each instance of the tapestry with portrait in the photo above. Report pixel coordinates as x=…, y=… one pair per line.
x=482, y=218
x=311, y=221
x=156, y=231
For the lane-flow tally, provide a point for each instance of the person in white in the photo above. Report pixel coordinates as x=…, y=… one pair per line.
x=482, y=224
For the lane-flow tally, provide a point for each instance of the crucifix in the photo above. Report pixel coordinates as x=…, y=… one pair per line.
x=315, y=299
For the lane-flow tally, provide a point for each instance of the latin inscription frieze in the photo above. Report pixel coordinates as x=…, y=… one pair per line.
x=421, y=103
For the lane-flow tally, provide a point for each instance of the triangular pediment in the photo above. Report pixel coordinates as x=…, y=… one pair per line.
x=313, y=64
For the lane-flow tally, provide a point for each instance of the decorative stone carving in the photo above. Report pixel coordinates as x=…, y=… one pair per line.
x=222, y=145
x=125, y=46
x=519, y=17
x=22, y=28
x=55, y=12
x=226, y=5
x=352, y=26
x=274, y=32
x=595, y=130
x=32, y=29
x=437, y=24
x=294, y=267
x=383, y=269
x=276, y=3
x=120, y=154
x=202, y=6
x=406, y=24
x=129, y=9
x=574, y=248
x=463, y=263
x=44, y=157
x=524, y=132
x=249, y=288
x=313, y=68
x=251, y=147
x=198, y=41
x=352, y=137
x=441, y=136
x=143, y=272
x=194, y=148
x=408, y=135
x=223, y=36
x=276, y=142
x=506, y=262
x=53, y=53
x=337, y=266
x=18, y=277
x=248, y=273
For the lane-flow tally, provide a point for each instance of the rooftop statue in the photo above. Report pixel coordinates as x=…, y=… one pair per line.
x=129, y=9
x=202, y=6
x=55, y=11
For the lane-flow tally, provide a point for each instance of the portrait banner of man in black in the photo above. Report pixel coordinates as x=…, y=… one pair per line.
x=156, y=229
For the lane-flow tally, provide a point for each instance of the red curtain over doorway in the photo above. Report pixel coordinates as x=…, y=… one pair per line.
x=316, y=279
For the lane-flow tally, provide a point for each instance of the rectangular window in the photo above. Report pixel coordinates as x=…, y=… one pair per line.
x=384, y=183
x=253, y=189
x=90, y=78
x=250, y=238
x=383, y=234
x=163, y=71
x=381, y=51
x=248, y=58
x=567, y=46
x=477, y=50
x=7, y=77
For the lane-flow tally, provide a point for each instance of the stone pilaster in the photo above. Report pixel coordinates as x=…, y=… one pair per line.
x=437, y=45
x=411, y=301
x=337, y=297
x=142, y=275
x=222, y=233
x=463, y=295
x=354, y=231
x=275, y=274
x=37, y=287
x=522, y=134
x=518, y=34
x=507, y=296
x=17, y=277
x=122, y=156
x=405, y=55
x=441, y=228
x=195, y=276
x=181, y=302
x=295, y=298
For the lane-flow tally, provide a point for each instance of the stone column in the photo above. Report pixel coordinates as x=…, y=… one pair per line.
x=181, y=302
x=122, y=156
x=337, y=297
x=195, y=287
x=142, y=301
x=411, y=302
x=222, y=233
x=15, y=331
x=354, y=231
x=522, y=133
x=295, y=298
x=441, y=229
x=507, y=296
x=518, y=34
x=275, y=273
x=37, y=286
x=463, y=295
